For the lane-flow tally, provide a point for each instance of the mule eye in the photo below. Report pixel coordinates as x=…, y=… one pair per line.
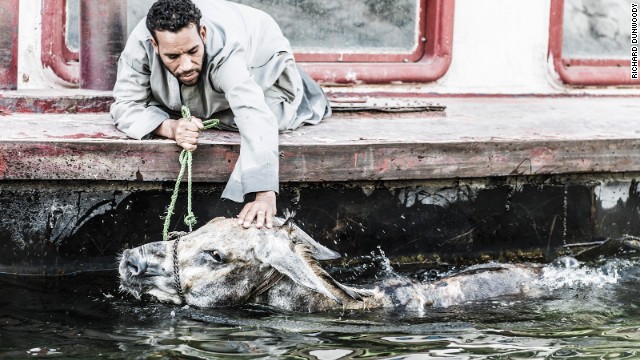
x=215, y=255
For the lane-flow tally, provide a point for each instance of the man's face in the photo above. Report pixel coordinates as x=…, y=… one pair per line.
x=182, y=52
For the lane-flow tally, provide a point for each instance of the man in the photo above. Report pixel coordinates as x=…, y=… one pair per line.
x=222, y=60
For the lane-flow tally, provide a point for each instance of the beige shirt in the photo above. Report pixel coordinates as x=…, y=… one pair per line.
x=246, y=54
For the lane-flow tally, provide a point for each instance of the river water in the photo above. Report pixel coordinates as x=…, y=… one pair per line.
x=589, y=312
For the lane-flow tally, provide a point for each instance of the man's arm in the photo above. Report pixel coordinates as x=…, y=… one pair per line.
x=258, y=164
x=134, y=111
x=259, y=149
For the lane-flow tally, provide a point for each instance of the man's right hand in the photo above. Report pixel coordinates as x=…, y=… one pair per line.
x=183, y=131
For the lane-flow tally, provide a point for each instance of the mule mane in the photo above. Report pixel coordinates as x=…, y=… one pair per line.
x=306, y=253
x=272, y=278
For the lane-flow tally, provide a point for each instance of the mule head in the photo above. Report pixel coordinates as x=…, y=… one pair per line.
x=223, y=264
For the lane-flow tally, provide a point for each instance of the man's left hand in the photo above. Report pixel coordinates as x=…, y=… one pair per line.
x=262, y=210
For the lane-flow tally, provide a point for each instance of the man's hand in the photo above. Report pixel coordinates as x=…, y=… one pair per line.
x=183, y=131
x=262, y=209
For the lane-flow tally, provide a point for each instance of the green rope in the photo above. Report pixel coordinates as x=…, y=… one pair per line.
x=186, y=159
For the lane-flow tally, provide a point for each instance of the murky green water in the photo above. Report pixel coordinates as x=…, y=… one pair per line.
x=593, y=314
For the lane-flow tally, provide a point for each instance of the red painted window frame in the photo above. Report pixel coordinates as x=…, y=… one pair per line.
x=583, y=72
x=429, y=62
x=9, y=39
x=55, y=53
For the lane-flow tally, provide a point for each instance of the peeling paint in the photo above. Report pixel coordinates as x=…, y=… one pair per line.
x=610, y=194
x=352, y=76
x=442, y=197
x=3, y=166
x=368, y=190
x=48, y=217
x=98, y=135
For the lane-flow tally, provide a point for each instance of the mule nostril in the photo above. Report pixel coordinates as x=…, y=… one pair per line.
x=133, y=269
x=136, y=268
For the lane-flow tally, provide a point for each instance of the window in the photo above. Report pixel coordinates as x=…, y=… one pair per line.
x=590, y=41
x=367, y=41
x=349, y=30
x=359, y=41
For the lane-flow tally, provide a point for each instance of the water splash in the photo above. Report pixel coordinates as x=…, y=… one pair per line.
x=386, y=269
x=570, y=273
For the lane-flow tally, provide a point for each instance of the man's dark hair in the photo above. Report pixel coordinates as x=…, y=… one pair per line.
x=172, y=15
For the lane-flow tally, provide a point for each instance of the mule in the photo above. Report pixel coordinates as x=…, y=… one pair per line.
x=223, y=264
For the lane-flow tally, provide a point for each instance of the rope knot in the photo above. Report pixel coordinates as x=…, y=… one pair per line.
x=190, y=220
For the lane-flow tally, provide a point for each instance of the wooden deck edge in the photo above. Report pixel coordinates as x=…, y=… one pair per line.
x=158, y=161
x=473, y=138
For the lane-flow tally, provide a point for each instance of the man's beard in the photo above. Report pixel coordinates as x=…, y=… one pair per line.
x=192, y=76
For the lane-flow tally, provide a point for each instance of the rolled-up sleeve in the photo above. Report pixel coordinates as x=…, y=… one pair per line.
x=134, y=111
x=257, y=166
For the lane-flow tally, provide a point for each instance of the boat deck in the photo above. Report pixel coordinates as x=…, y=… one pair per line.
x=474, y=137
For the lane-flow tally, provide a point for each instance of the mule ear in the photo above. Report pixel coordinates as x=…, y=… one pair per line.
x=318, y=251
x=295, y=261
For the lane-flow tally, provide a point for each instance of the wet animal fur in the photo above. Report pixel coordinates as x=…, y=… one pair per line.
x=223, y=264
